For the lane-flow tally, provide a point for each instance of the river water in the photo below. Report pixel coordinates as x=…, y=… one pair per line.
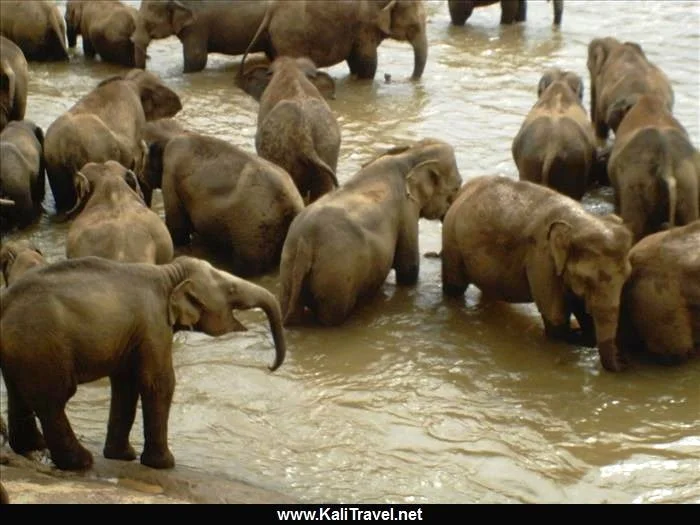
x=414, y=400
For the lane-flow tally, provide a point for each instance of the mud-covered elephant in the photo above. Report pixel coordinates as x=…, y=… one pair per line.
x=340, y=249
x=22, y=173
x=106, y=28
x=111, y=319
x=619, y=72
x=14, y=81
x=237, y=203
x=203, y=27
x=113, y=221
x=660, y=309
x=257, y=76
x=329, y=33
x=37, y=27
x=511, y=10
x=18, y=257
x=522, y=242
x=297, y=129
x=654, y=167
x=555, y=145
x=105, y=124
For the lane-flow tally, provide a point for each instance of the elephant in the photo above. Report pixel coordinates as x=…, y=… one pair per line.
x=105, y=124
x=555, y=145
x=37, y=27
x=522, y=242
x=113, y=220
x=14, y=81
x=237, y=203
x=329, y=33
x=203, y=27
x=22, y=173
x=19, y=257
x=106, y=28
x=340, y=249
x=297, y=129
x=660, y=309
x=511, y=10
x=653, y=167
x=620, y=71
x=111, y=319
x=257, y=76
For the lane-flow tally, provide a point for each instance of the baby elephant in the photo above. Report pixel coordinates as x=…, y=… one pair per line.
x=17, y=258
x=103, y=318
x=14, y=81
x=22, y=178
x=297, y=130
x=660, y=310
x=556, y=146
x=521, y=242
x=114, y=222
x=341, y=248
x=654, y=167
x=106, y=28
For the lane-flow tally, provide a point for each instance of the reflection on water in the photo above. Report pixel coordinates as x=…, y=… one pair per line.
x=419, y=399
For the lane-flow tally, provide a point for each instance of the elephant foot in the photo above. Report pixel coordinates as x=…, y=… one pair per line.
x=78, y=458
x=123, y=452
x=453, y=290
x=157, y=458
x=611, y=358
x=26, y=437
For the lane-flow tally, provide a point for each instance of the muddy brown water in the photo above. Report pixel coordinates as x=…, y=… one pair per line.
x=414, y=399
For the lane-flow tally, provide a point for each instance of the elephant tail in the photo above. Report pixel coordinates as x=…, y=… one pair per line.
x=664, y=174
x=301, y=266
x=322, y=170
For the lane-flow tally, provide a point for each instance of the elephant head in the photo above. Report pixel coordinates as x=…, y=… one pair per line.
x=206, y=297
x=158, y=19
x=572, y=80
x=17, y=257
x=108, y=175
x=594, y=264
x=405, y=20
x=157, y=99
x=255, y=78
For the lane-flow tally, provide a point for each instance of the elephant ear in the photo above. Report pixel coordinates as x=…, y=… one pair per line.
x=181, y=16
x=545, y=82
x=82, y=191
x=559, y=238
x=7, y=80
x=184, y=308
x=618, y=110
x=384, y=18
x=422, y=180
x=133, y=182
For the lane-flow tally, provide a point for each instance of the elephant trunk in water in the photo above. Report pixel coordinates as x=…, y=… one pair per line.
x=259, y=297
x=420, y=53
x=605, y=321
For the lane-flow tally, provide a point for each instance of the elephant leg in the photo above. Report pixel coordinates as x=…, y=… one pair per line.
x=406, y=256
x=460, y=11
x=509, y=11
x=601, y=130
x=24, y=435
x=122, y=412
x=454, y=277
x=66, y=451
x=176, y=218
x=156, y=396
x=194, y=49
x=363, y=61
x=88, y=47
x=521, y=14
x=587, y=336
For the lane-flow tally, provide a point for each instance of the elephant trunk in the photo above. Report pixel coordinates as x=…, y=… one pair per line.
x=265, y=300
x=420, y=54
x=140, y=39
x=606, y=321
x=71, y=35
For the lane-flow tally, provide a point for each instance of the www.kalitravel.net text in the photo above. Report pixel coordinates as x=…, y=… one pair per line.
x=350, y=514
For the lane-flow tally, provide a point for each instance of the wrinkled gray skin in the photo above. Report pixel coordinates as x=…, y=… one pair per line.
x=329, y=33
x=106, y=27
x=22, y=178
x=113, y=220
x=237, y=203
x=654, y=167
x=203, y=27
x=555, y=145
x=116, y=320
x=37, y=27
x=106, y=124
x=14, y=79
x=257, y=76
x=19, y=257
x=522, y=242
x=297, y=129
x=660, y=311
x=619, y=73
x=340, y=249
x=511, y=10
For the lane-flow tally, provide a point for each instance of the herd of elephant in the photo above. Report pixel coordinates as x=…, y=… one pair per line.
x=110, y=309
